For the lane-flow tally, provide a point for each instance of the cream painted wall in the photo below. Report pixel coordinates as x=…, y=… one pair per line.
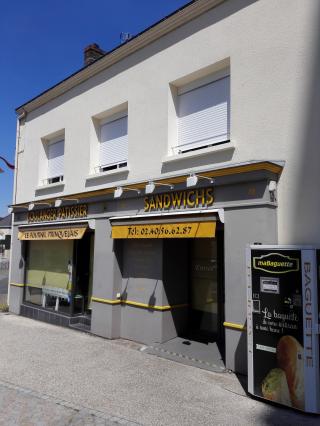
x=272, y=48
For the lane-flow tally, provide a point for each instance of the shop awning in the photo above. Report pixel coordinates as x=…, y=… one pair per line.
x=64, y=233
x=165, y=230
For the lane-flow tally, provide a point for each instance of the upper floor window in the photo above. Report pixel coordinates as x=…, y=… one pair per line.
x=55, y=155
x=203, y=115
x=113, y=147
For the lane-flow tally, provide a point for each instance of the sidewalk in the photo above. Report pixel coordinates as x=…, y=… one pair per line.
x=22, y=406
x=117, y=380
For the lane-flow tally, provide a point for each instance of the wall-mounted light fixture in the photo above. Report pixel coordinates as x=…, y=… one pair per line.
x=33, y=205
x=61, y=201
x=151, y=186
x=272, y=190
x=272, y=186
x=120, y=189
x=193, y=179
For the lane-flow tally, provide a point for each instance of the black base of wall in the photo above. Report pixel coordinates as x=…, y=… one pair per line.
x=55, y=318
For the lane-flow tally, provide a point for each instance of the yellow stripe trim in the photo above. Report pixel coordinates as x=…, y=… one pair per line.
x=155, y=307
x=234, y=326
x=106, y=301
x=138, y=304
x=17, y=285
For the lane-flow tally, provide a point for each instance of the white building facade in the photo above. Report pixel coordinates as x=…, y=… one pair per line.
x=221, y=92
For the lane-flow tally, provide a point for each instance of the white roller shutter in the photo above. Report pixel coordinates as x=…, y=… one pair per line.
x=114, y=142
x=55, y=159
x=204, y=115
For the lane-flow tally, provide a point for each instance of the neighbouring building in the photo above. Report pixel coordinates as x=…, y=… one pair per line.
x=141, y=179
x=5, y=237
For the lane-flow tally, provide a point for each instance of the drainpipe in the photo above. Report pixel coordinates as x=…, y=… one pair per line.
x=20, y=117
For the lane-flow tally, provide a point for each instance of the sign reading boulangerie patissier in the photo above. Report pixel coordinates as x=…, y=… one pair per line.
x=79, y=211
x=277, y=327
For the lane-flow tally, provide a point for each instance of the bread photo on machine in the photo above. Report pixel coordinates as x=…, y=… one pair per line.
x=275, y=387
x=285, y=384
x=290, y=360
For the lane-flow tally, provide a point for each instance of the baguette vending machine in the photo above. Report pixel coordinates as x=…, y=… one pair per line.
x=283, y=325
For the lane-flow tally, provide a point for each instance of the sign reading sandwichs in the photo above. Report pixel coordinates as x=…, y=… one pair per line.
x=60, y=213
x=179, y=199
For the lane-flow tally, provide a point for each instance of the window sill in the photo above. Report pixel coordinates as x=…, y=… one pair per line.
x=107, y=173
x=51, y=185
x=228, y=146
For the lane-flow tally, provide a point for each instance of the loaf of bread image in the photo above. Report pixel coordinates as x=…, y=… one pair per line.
x=275, y=387
x=290, y=360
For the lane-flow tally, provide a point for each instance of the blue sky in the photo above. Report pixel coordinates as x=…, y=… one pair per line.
x=42, y=42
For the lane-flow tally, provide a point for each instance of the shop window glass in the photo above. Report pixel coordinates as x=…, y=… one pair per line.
x=49, y=274
x=204, y=285
x=91, y=272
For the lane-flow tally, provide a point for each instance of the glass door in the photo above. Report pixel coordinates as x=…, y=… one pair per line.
x=83, y=281
x=203, y=291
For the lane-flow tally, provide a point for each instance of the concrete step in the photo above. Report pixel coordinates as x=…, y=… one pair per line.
x=81, y=319
x=81, y=327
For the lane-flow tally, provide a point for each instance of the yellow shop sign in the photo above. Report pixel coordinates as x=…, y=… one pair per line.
x=165, y=230
x=72, y=233
x=179, y=199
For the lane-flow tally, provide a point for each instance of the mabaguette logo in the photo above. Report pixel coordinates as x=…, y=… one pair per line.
x=276, y=263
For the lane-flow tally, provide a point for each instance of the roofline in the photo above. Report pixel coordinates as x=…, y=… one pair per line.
x=176, y=19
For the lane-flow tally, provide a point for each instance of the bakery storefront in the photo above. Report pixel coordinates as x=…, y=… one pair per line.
x=58, y=252
x=149, y=267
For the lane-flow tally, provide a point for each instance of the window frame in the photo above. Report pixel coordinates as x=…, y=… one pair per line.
x=58, y=178
x=118, y=165
x=45, y=179
x=193, y=85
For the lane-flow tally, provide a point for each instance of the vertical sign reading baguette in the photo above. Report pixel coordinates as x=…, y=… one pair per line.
x=277, y=341
x=310, y=321
x=317, y=327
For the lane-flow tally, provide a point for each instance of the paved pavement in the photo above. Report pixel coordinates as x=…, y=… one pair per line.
x=55, y=376
x=21, y=406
